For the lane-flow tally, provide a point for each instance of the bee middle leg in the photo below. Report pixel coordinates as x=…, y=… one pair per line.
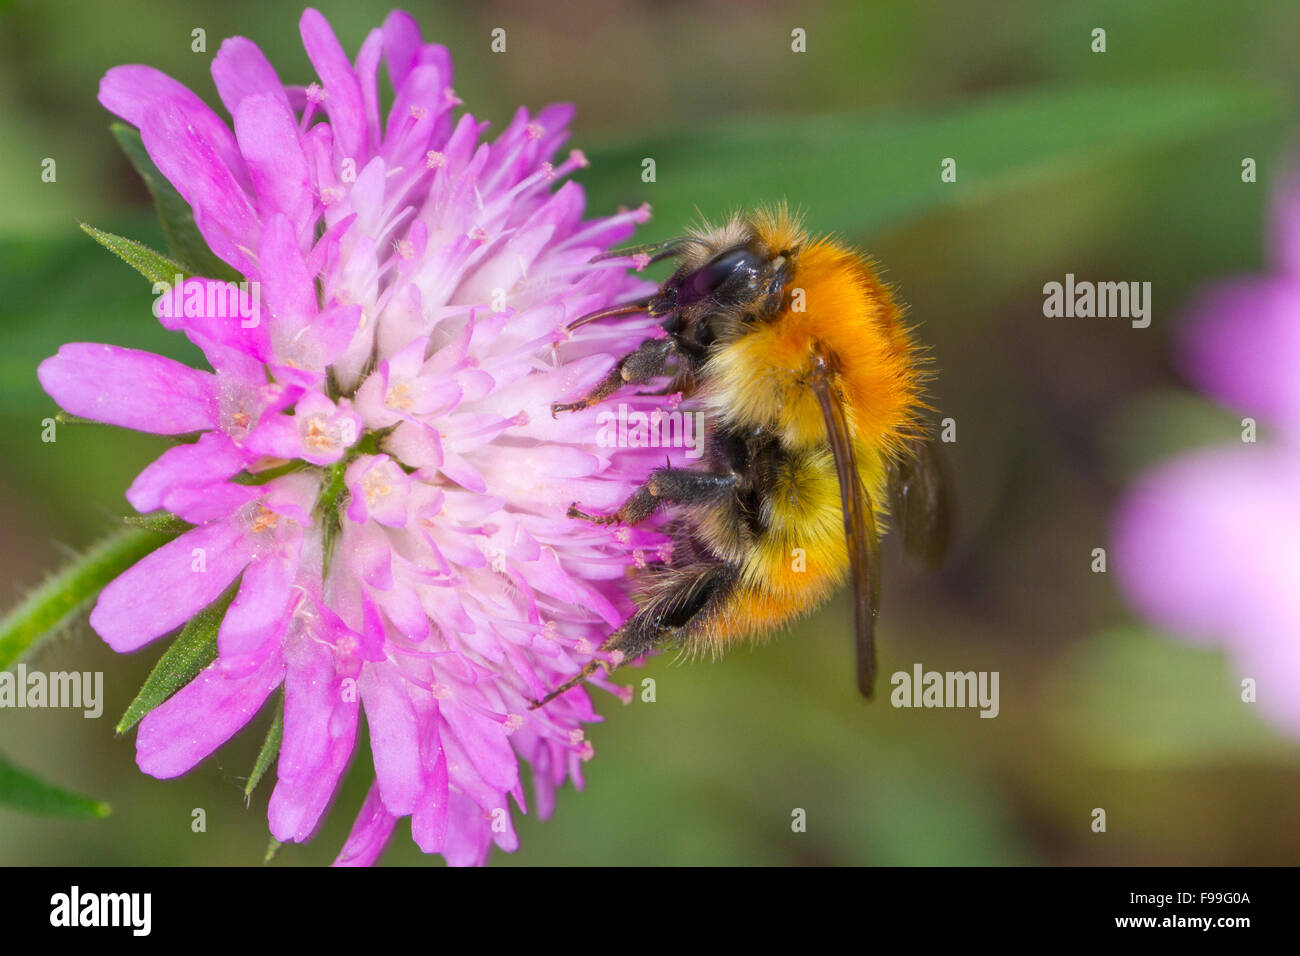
x=680, y=486
x=650, y=360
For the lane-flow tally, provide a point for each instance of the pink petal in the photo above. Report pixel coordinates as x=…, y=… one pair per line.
x=260, y=611
x=320, y=725
x=423, y=90
x=130, y=388
x=1242, y=345
x=485, y=740
x=468, y=835
x=137, y=92
x=240, y=69
x=200, y=504
x=393, y=736
x=380, y=490
x=1207, y=544
x=367, y=70
x=333, y=331
x=429, y=822
x=344, y=102
x=368, y=554
x=287, y=286
x=401, y=45
x=216, y=311
x=222, y=210
x=202, y=716
x=164, y=589
x=277, y=163
x=213, y=458
x=370, y=834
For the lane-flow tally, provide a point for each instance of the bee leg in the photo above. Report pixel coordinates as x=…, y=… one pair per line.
x=679, y=604
x=680, y=486
x=650, y=360
x=588, y=669
x=683, y=381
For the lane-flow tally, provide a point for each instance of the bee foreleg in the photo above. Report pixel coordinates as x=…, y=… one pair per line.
x=649, y=361
x=680, y=486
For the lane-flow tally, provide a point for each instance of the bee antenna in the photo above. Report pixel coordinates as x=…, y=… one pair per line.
x=631, y=308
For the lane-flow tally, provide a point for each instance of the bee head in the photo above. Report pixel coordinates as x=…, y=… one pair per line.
x=736, y=277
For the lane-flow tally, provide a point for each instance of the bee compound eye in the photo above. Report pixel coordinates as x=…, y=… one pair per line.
x=739, y=260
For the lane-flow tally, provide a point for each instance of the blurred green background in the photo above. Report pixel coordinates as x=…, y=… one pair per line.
x=1123, y=165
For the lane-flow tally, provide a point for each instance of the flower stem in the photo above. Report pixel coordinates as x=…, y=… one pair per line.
x=63, y=596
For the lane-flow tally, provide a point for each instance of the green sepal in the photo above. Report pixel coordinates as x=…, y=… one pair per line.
x=151, y=264
x=63, y=418
x=270, y=750
x=162, y=521
x=193, y=650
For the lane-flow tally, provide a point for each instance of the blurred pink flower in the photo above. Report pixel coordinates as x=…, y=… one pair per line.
x=377, y=464
x=1208, y=545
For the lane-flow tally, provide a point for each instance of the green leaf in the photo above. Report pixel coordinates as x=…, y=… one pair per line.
x=64, y=595
x=270, y=750
x=860, y=173
x=154, y=266
x=20, y=789
x=193, y=650
x=186, y=243
x=272, y=848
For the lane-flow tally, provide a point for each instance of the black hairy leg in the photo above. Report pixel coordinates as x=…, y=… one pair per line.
x=677, y=603
x=650, y=360
x=680, y=486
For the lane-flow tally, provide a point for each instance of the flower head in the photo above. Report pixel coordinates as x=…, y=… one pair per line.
x=1209, y=544
x=377, y=475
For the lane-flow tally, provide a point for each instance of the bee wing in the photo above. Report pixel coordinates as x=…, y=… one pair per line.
x=920, y=502
x=859, y=530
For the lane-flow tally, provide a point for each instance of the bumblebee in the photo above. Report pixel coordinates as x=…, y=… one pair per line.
x=813, y=387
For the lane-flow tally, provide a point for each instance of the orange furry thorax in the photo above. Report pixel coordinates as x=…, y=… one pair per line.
x=836, y=300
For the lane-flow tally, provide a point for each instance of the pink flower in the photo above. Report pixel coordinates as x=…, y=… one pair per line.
x=1208, y=545
x=376, y=463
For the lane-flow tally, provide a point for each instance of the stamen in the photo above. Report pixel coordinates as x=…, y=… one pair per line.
x=266, y=518
x=399, y=397
x=318, y=436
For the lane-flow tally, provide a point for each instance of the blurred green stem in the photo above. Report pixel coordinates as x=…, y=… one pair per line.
x=68, y=592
